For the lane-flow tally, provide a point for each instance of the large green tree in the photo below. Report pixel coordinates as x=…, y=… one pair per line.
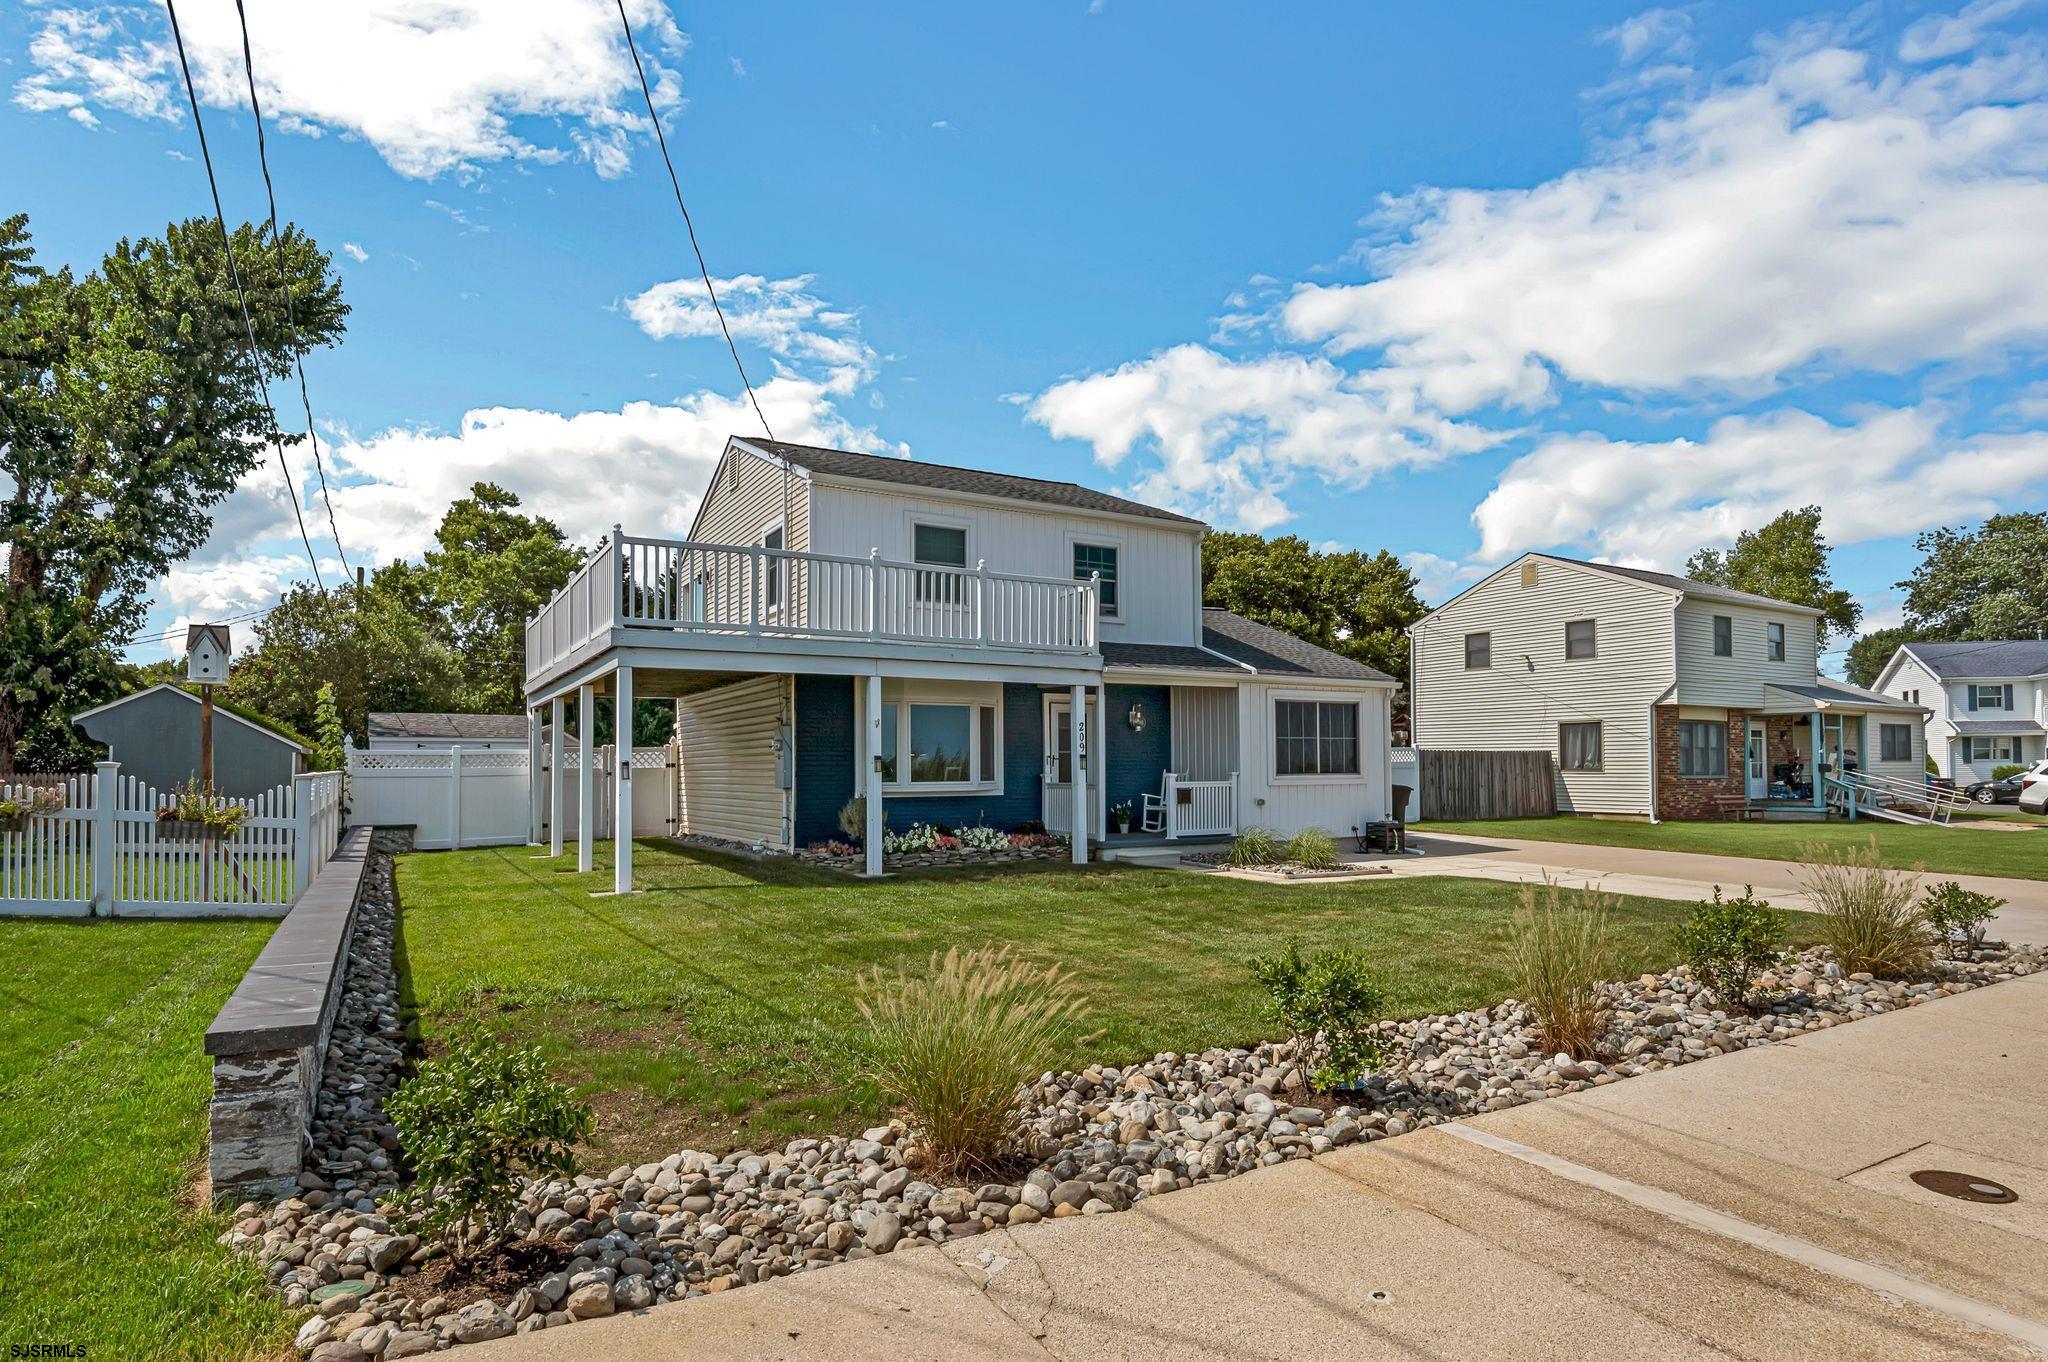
x=1786, y=560
x=129, y=408
x=1354, y=603
x=1868, y=654
x=374, y=646
x=1991, y=582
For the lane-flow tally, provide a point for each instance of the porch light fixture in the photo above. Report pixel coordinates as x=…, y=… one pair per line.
x=1136, y=719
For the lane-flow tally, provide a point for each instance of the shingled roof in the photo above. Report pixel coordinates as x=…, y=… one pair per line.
x=1230, y=643
x=939, y=477
x=1992, y=657
x=446, y=726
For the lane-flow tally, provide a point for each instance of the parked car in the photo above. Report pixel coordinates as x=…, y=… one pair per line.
x=2034, y=788
x=2005, y=790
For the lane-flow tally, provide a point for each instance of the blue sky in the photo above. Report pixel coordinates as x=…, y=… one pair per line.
x=1456, y=282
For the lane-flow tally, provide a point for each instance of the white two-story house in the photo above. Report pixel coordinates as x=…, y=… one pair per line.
x=1987, y=702
x=957, y=646
x=1656, y=695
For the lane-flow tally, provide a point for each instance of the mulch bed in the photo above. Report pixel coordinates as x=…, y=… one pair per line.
x=499, y=1274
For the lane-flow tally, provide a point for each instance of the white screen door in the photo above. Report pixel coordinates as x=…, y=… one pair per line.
x=1757, y=763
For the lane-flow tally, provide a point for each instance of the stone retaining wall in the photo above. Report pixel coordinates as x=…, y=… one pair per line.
x=270, y=1038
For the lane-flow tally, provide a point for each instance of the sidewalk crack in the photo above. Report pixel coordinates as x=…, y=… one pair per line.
x=985, y=1278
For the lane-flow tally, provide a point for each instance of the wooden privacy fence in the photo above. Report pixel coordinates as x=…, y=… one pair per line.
x=1456, y=785
x=96, y=847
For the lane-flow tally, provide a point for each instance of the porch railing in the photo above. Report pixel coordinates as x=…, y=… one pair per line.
x=704, y=588
x=1861, y=792
x=1201, y=808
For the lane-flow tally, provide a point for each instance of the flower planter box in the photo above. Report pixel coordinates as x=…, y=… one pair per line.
x=186, y=830
x=16, y=822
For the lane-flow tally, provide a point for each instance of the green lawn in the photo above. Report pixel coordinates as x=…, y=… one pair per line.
x=715, y=1009
x=103, y=1091
x=1957, y=850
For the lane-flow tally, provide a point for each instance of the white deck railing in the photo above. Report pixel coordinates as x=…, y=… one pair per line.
x=1201, y=808
x=728, y=589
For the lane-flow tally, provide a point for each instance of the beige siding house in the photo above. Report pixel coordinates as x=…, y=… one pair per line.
x=957, y=646
x=1656, y=695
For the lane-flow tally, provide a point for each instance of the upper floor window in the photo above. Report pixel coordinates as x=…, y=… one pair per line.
x=1991, y=697
x=1776, y=643
x=1098, y=558
x=1724, y=636
x=1315, y=738
x=941, y=546
x=773, y=539
x=1478, y=651
x=1580, y=639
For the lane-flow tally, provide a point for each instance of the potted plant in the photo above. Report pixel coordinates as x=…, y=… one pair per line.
x=1120, y=816
x=16, y=809
x=196, y=815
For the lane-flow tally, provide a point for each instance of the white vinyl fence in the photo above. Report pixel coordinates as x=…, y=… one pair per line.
x=481, y=799
x=98, y=848
x=1407, y=771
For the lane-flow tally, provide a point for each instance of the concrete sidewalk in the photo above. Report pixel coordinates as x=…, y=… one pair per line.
x=1751, y=1206
x=1684, y=875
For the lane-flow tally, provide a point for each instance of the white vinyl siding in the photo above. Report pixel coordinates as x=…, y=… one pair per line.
x=1914, y=683
x=1158, y=569
x=1287, y=804
x=1737, y=681
x=1204, y=739
x=1520, y=701
x=737, y=510
x=726, y=787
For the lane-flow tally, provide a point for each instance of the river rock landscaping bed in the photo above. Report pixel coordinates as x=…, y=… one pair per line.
x=1280, y=870
x=1097, y=1141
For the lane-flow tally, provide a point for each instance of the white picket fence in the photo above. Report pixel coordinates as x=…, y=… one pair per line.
x=455, y=798
x=102, y=850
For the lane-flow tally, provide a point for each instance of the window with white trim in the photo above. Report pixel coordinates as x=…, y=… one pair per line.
x=1478, y=651
x=1724, y=636
x=1992, y=749
x=1990, y=697
x=940, y=745
x=1578, y=746
x=1580, y=639
x=1098, y=558
x=775, y=569
x=1315, y=737
x=1775, y=642
x=941, y=546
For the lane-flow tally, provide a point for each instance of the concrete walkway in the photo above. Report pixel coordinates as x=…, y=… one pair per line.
x=1684, y=875
x=1751, y=1206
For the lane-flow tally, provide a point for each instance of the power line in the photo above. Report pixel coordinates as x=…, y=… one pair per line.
x=291, y=320
x=241, y=298
x=710, y=292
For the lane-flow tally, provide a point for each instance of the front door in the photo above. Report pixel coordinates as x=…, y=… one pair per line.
x=1756, y=763
x=1058, y=810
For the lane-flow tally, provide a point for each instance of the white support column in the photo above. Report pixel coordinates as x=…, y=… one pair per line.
x=586, y=781
x=555, y=819
x=1101, y=786
x=622, y=789
x=871, y=837
x=532, y=776
x=1084, y=757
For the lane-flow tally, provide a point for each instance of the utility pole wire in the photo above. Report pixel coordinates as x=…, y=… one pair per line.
x=291, y=320
x=710, y=292
x=241, y=298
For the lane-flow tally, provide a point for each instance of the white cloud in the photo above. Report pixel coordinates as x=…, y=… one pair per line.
x=943, y=126
x=739, y=68
x=354, y=252
x=434, y=85
x=456, y=216
x=1437, y=578
x=1654, y=503
x=1946, y=35
x=1231, y=433
x=1654, y=32
x=781, y=316
x=1820, y=211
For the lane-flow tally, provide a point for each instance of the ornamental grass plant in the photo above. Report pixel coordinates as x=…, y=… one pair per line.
x=953, y=1045
x=1561, y=947
x=1868, y=915
x=1312, y=849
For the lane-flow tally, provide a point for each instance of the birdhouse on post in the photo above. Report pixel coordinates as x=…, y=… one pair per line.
x=206, y=663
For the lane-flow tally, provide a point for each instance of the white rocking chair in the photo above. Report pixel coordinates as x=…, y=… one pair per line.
x=1152, y=807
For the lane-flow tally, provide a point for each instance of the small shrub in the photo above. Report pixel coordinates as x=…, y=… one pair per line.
x=1312, y=849
x=953, y=1045
x=1329, y=1002
x=1726, y=943
x=1561, y=947
x=2000, y=772
x=1867, y=916
x=1036, y=841
x=473, y=1123
x=1254, y=847
x=853, y=818
x=1957, y=916
x=1031, y=827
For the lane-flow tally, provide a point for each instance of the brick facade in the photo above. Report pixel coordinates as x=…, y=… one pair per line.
x=1693, y=797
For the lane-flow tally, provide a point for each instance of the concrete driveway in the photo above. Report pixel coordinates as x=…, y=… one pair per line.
x=1685, y=875
x=1751, y=1206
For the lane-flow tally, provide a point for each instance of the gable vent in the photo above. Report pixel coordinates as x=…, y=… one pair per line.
x=1529, y=573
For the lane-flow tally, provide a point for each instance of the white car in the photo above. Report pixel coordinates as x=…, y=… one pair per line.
x=2034, y=788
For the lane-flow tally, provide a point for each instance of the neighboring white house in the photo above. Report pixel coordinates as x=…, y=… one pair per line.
x=1656, y=694
x=1988, y=702
x=390, y=732
x=838, y=624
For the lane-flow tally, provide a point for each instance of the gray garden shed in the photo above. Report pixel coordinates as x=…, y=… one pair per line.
x=154, y=734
